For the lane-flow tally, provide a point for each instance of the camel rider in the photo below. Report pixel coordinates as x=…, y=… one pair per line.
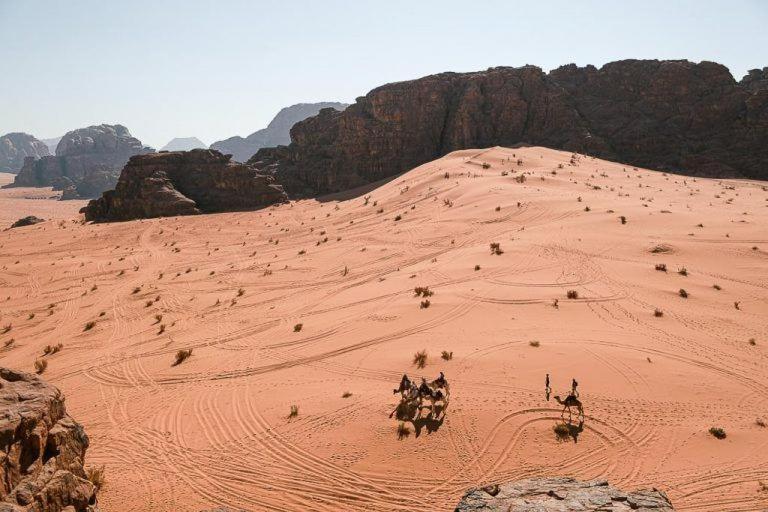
x=440, y=381
x=424, y=389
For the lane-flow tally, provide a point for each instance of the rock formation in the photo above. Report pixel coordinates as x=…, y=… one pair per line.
x=275, y=134
x=88, y=159
x=43, y=454
x=27, y=221
x=670, y=115
x=15, y=147
x=51, y=143
x=184, y=144
x=560, y=495
x=184, y=183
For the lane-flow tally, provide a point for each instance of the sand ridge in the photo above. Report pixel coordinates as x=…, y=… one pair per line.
x=214, y=430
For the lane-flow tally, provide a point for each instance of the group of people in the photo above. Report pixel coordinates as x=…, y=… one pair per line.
x=574, y=388
x=435, y=392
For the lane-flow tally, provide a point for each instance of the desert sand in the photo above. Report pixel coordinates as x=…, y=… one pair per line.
x=214, y=431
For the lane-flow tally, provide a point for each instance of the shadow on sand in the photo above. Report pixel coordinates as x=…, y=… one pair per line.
x=409, y=413
x=568, y=429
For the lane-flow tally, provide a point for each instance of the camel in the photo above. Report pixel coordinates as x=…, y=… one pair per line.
x=570, y=401
x=405, y=386
x=441, y=383
x=432, y=395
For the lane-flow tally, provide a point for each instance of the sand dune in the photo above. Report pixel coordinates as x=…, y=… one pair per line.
x=214, y=430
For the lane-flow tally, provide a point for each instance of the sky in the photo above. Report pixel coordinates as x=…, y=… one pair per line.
x=214, y=69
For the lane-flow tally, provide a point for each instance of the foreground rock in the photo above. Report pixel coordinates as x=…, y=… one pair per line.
x=667, y=115
x=27, y=221
x=87, y=162
x=41, y=464
x=15, y=147
x=275, y=134
x=560, y=495
x=184, y=183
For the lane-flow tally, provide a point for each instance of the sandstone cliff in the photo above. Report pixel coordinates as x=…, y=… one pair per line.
x=184, y=183
x=41, y=463
x=15, y=147
x=275, y=134
x=670, y=115
x=560, y=495
x=88, y=159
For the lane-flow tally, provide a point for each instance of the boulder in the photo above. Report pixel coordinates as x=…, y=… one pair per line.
x=41, y=464
x=184, y=183
x=27, y=221
x=275, y=134
x=16, y=147
x=90, y=159
x=669, y=115
x=560, y=495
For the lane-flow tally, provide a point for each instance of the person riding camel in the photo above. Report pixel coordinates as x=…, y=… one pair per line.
x=424, y=388
x=440, y=381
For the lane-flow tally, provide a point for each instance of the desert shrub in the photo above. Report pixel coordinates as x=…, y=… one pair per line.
x=240, y=292
x=96, y=477
x=447, y=356
x=420, y=359
x=297, y=327
x=89, y=325
x=561, y=431
x=423, y=291
x=496, y=248
x=40, y=366
x=486, y=165
x=158, y=318
x=752, y=341
x=760, y=423
x=9, y=343
x=661, y=267
x=534, y=343
x=718, y=432
x=346, y=394
x=181, y=356
x=162, y=329
x=425, y=304
x=717, y=287
x=587, y=209
x=520, y=179
x=302, y=252
x=294, y=411
x=7, y=328
x=657, y=312
x=477, y=267
x=682, y=271
x=683, y=293
x=398, y=217
x=498, y=208
x=623, y=219
x=572, y=294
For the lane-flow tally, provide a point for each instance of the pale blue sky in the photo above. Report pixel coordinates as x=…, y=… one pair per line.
x=214, y=69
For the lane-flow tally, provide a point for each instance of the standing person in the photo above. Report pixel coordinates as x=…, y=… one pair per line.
x=547, y=389
x=574, y=388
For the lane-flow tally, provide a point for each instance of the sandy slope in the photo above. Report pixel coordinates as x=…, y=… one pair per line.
x=214, y=430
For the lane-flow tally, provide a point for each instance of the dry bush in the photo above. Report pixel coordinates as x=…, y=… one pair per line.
x=683, y=293
x=717, y=287
x=534, y=343
x=40, y=366
x=486, y=165
x=9, y=343
x=294, y=411
x=403, y=431
x=760, y=423
x=96, y=477
x=718, y=432
x=162, y=329
x=398, y=217
x=158, y=318
x=682, y=271
x=447, y=356
x=572, y=294
x=136, y=290
x=346, y=394
x=297, y=327
x=425, y=304
x=423, y=291
x=89, y=325
x=496, y=249
x=6, y=328
x=752, y=341
x=477, y=267
x=240, y=292
x=420, y=359
x=623, y=219
x=661, y=267
x=181, y=356
x=561, y=432
x=657, y=312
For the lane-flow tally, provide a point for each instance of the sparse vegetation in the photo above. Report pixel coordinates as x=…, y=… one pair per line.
x=425, y=304
x=717, y=287
x=423, y=291
x=534, y=343
x=7, y=328
x=162, y=329
x=240, y=292
x=683, y=293
x=477, y=267
x=297, y=327
x=158, y=318
x=346, y=394
x=572, y=294
x=496, y=249
x=623, y=219
x=486, y=165
x=40, y=366
x=89, y=325
x=181, y=356
x=96, y=477
x=420, y=359
x=682, y=271
x=658, y=313
x=398, y=217
x=447, y=356
x=661, y=267
x=294, y=411
x=752, y=341
x=717, y=432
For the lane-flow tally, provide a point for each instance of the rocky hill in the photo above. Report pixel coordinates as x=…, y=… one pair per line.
x=42, y=464
x=184, y=183
x=87, y=162
x=669, y=115
x=15, y=147
x=560, y=495
x=184, y=144
x=275, y=134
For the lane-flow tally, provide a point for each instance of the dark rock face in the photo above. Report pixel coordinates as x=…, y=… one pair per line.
x=41, y=464
x=275, y=134
x=27, y=221
x=184, y=183
x=15, y=147
x=88, y=159
x=560, y=495
x=669, y=115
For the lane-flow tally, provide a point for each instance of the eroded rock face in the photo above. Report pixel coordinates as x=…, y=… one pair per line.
x=15, y=147
x=669, y=115
x=561, y=495
x=275, y=134
x=88, y=159
x=41, y=463
x=184, y=183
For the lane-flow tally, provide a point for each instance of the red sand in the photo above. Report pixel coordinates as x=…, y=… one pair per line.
x=214, y=431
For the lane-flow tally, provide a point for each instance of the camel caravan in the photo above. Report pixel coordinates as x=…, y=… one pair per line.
x=432, y=395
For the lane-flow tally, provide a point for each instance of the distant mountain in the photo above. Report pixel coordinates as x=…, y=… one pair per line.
x=51, y=143
x=15, y=147
x=277, y=133
x=184, y=144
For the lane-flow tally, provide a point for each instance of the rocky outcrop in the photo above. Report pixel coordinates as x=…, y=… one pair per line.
x=27, y=221
x=670, y=115
x=184, y=144
x=41, y=463
x=184, y=183
x=275, y=134
x=560, y=495
x=88, y=159
x=16, y=147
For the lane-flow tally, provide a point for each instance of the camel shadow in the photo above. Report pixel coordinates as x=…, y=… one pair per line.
x=568, y=429
x=409, y=413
